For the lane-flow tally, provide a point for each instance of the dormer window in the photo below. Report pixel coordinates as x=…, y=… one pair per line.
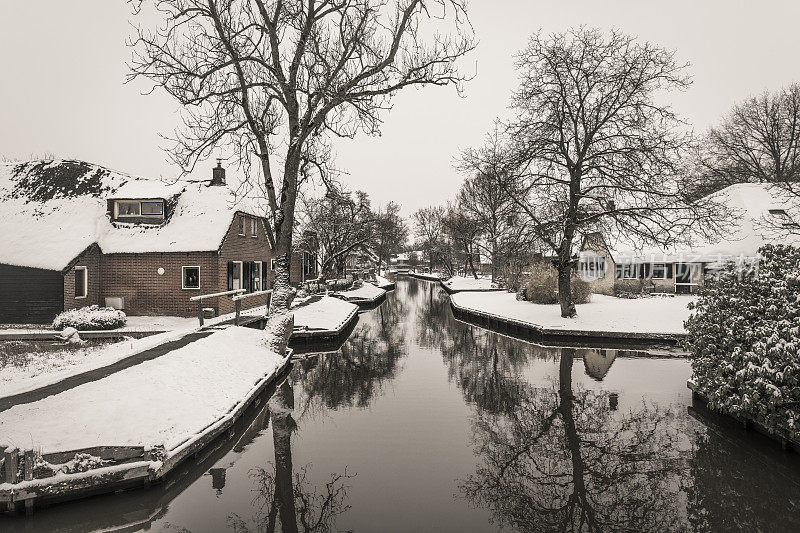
x=783, y=218
x=139, y=210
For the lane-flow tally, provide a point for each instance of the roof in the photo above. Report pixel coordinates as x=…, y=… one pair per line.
x=751, y=227
x=51, y=211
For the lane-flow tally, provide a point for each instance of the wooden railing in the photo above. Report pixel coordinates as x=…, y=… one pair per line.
x=237, y=301
x=199, y=300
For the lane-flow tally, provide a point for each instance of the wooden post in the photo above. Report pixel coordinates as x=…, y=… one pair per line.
x=200, y=311
x=29, y=462
x=11, y=456
x=238, y=304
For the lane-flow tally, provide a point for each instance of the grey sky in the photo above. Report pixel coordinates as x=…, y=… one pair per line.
x=62, y=67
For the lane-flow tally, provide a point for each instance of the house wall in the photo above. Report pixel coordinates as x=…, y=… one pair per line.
x=236, y=247
x=91, y=259
x=594, y=243
x=146, y=292
x=30, y=295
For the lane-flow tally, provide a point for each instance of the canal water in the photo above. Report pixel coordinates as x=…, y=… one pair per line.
x=420, y=422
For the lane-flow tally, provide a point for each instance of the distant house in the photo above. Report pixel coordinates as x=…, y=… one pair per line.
x=74, y=234
x=303, y=265
x=361, y=258
x=761, y=214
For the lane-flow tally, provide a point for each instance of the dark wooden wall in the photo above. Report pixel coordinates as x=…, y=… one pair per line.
x=30, y=295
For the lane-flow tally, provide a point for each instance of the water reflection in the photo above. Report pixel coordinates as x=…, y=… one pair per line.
x=562, y=461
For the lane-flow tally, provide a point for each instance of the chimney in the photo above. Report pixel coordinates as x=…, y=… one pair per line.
x=218, y=174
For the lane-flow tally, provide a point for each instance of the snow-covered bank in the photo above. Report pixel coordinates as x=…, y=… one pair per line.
x=469, y=283
x=163, y=401
x=603, y=313
x=435, y=276
x=384, y=283
x=327, y=313
x=367, y=293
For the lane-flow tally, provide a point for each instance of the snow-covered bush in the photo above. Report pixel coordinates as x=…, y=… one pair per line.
x=542, y=286
x=91, y=317
x=744, y=338
x=629, y=288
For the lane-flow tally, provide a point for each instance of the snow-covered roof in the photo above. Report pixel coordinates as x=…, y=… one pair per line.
x=751, y=226
x=51, y=211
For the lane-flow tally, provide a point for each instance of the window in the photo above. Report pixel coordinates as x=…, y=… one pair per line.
x=191, y=277
x=139, y=208
x=628, y=271
x=152, y=208
x=254, y=227
x=257, y=268
x=592, y=267
x=128, y=209
x=81, y=282
x=272, y=265
x=659, y=271
x=783, y=218
x=235, y=275
x=241, y=225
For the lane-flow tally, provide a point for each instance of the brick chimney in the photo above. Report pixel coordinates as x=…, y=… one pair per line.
x=218, y=174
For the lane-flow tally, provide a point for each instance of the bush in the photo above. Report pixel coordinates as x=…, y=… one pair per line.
x=542, y=287
x=743, y=339
x=92, y=317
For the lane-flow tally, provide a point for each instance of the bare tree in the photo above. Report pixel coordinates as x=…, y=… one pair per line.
x=463, y=231
x=591, y=149
x=272, y=81
x=391, y=233
x=342, y=222
x=429, y=230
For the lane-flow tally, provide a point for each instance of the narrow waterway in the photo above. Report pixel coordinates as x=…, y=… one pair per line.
x=420, y=422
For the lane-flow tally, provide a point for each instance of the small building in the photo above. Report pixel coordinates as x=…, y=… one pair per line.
x=760, y=214
x=73, y=234
x=303, y=265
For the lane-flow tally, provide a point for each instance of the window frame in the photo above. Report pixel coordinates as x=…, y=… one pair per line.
x=85, y=282
x=159, y=216
x=241, y=275
x=242, y=229
x=259, y=265
x=160, y=204
x=653, y=271
x=254, y=227
x=183, y=278
x=272, y=264
x=634, y=271
x=598, y=261
x=121, y=215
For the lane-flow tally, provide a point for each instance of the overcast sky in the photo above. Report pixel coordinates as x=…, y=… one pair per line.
x=62, y=67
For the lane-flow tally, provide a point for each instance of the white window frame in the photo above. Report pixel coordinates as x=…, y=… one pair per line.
x=272, y=265
x=653, y=270
x=242, y=229
x=592, y=273
x=140, y=215
x=241, y=274
x=634, y=271
x=254, y=227
x=85, y=281
x=257, y=279
x=183, y=278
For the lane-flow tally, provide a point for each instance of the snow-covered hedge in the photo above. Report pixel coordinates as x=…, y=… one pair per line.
x=92, y=317
x=744, y=337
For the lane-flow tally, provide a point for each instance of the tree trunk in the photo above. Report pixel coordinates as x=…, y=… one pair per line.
x=471, y=263
x=564, y=290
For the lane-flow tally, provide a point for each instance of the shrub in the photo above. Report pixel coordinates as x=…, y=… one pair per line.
x=542, y=287
x=743, y=338
x=628, y=288
x=92, y=317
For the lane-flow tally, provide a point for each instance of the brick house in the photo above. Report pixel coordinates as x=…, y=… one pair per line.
x=760, y=214
x=74, y=234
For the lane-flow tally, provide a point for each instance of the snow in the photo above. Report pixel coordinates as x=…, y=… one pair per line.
x=603, y=313
x=382, y=282
x=327, y=313
x=367, y=291
x=466, y=283
x=163, y=401
x=433, y=276
x=50, y=234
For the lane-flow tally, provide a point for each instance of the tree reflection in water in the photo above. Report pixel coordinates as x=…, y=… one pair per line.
x=562, y=460
x=286, y=500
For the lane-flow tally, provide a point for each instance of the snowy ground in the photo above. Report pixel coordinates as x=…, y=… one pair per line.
x=158, y=402
x=469, y=283
x=367, y=291
x=328, y=313
x=134, y=324
x=603, y=313
x=433, y=276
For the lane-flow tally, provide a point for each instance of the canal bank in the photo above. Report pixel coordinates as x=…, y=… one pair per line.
x=409, y=424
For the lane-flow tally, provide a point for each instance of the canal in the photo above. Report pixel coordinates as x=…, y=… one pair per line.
x=420, y=422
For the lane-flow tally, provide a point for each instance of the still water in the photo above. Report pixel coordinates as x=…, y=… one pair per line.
x=423, y=423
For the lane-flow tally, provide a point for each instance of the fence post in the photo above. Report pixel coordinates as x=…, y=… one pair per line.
x=200, y=311
x=238, y=304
